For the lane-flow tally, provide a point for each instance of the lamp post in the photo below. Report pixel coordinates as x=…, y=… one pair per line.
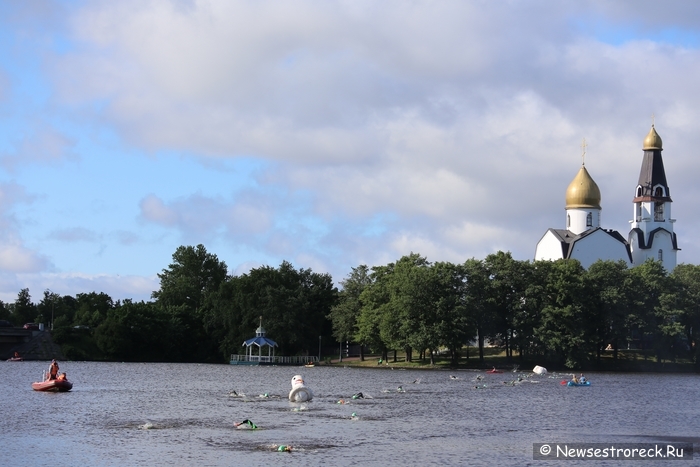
x=53, y=300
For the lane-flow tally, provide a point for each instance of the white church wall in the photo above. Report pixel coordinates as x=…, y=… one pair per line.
x=662, y=241
x=599, y=245
x=548, y=248
x=577, y=219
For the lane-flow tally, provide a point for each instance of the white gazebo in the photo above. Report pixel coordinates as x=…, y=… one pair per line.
x=251, y=357
x=260, y=341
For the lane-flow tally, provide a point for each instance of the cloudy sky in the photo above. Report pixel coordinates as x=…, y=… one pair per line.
x=328, y=134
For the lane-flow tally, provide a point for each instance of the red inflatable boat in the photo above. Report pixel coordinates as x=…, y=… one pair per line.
x=53, y=385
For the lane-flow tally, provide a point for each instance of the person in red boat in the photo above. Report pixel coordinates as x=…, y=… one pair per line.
x=61, y=377
x=53, y=370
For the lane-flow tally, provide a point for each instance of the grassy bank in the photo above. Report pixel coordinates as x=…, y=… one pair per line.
x=627, y=361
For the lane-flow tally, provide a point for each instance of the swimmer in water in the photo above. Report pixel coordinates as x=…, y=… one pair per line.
x=342, y=401
x=453, y=377
x=359, y=395
x=284, y=448
x=400, y=389
x=246, y=425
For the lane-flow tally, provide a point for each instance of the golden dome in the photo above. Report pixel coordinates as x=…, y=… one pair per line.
x=653, y=140
x=583, y=191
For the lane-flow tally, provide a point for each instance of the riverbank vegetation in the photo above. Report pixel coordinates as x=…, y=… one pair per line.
x=555, y=313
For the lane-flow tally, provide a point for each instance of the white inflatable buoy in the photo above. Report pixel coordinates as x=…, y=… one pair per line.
x=540, y=370
x=299, y=392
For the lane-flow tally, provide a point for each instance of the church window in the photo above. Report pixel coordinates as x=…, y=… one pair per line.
x=568, y=221
x=639, y=191
x=661, y=255
x=658, y=212
x=639, y=212
x=659, y=192
x=589, y=220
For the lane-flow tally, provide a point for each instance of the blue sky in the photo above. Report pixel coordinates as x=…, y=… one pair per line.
x=327, y=134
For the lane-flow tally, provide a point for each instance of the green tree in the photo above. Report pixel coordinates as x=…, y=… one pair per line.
x=656, y=323
x=565, y=327
x=92, y=308
x=293, y=305
x=190, y=277
x=344, y=314
x=407, y=322
x=686, y=278
x=452, y=324
x=185, y=287
x=5, y=312
x=528, y=318
x=137, y=332
x=612, y=300
x=375, y=305
x=687, y=296
x=23, y=310
x=506, y=293
x=475, y=300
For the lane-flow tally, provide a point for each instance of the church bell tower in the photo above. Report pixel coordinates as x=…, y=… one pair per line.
x=651, y=234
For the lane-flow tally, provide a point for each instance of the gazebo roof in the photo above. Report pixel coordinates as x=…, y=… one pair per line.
x=260, y=341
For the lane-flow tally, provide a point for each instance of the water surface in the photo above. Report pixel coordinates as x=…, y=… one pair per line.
x=130, y=414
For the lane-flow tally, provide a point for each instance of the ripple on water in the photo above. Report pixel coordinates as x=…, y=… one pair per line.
x=153, y=414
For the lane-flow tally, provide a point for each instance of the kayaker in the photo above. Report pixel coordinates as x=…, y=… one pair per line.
x=581, y=379
x=53, y=370
x=574, y=379
x=246, y=424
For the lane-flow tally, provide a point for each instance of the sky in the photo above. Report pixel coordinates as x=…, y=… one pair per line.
x=329, y=134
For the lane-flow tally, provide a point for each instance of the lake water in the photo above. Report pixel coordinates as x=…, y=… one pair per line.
x=129, y=414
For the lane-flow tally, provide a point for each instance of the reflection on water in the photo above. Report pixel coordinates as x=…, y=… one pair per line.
x=176, y=414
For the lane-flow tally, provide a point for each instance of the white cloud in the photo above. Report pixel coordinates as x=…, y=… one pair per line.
x=19, y=259
x=116, y=286
x=448, y=129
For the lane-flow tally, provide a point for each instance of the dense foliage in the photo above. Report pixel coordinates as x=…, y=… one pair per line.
x=199, y=314
x=545, y=311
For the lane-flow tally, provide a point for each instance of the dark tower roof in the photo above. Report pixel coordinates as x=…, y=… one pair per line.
x=652, y=174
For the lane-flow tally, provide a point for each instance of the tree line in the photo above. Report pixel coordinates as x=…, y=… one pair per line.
x=550, y=311
x=199, y=314
x=546, y=311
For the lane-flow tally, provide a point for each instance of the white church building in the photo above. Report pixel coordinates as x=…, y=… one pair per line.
x=651, y=234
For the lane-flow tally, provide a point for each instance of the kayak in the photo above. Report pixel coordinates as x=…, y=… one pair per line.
x=494, y=371
x=54, y=385
x=15, y=359
x=571, y=383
